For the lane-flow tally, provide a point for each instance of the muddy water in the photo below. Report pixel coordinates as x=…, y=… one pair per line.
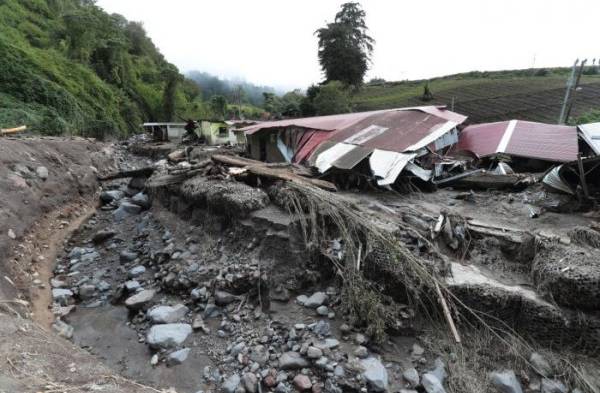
x=103, y=331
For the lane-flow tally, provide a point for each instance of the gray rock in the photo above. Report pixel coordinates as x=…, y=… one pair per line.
x=62, y=296
x=169, y=335
x=63, y=329
x=375, y=374
x=126, y=209
x=361, y=352
x=331, y=343
x=322, y=328
x=136, y=271
x=231, y=384
x=42, y=172
x=127, y=256
x=111, y=195
x=259, y=354
x=178, y=357
x=103, y=286
x=432, y=384
x=540, y=364
x=301, y=299
x=282, y=387
x=140, y=299
x=167, y=314
x=87, y=291
x=292, y=361
x=223, y=298
x=506, y=381
x=317, y=299
x=141, y=200
x=137, y=183
x=314, y=353
x=211, y=311
x=322, y=310
x=552, y=386
x=199, y=293
x=440, y=370
x=417, y=350
x=102, y=235
x=250, y=382
x=132, y=285
x=411, y=375
x=90, y=256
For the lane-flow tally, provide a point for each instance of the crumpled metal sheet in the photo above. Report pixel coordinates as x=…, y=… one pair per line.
x=555, y=181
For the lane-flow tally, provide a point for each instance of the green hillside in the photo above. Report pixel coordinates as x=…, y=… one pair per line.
x=490, y=96
x=66, y=66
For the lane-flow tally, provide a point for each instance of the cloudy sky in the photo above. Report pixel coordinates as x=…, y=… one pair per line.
x=271, y=42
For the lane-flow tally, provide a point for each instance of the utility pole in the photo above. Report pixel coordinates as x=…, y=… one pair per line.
x=570, y=106
x=570, y=83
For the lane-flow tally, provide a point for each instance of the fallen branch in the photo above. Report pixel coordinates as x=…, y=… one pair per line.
x=447, y=313
x=278, y=171
x=6, y=131
x=141, y=172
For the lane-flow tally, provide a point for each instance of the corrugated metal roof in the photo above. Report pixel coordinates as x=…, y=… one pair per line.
x=518, y=138
x=591, y=134
x=341, y=121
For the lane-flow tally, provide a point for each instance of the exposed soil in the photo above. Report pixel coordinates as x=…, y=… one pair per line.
x=237, y=265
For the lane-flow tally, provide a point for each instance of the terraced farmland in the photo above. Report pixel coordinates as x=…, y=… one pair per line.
x=498, y=96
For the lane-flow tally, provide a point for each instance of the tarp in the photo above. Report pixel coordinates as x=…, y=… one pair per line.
x=548, y=142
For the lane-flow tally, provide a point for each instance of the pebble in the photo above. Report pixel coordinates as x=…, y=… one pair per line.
x=411, y=376
x=361, y=352
x=230, y=384
x=167, y=314
x=140, y=299
x=136, y=271
x=292, y=360
x=323, y=310
x=314, y=353
x=375, y=374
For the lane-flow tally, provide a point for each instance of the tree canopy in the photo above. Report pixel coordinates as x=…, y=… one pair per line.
x=345, y=47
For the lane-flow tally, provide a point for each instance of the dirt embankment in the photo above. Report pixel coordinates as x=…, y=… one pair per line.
x=47, y=188
x=37, y=177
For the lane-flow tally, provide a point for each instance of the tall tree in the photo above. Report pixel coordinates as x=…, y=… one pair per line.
x=218, y=106
x=345, y=47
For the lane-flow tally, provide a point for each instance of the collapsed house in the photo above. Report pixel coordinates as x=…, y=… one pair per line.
x=385, y=142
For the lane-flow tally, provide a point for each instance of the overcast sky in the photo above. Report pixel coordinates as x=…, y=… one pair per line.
x=272, y=42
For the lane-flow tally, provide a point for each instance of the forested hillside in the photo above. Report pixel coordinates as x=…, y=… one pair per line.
x=68, y=66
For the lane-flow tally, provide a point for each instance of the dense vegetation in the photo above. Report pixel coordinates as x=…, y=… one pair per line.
x=68, y=66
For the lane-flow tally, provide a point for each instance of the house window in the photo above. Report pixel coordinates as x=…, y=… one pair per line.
x=222, y=131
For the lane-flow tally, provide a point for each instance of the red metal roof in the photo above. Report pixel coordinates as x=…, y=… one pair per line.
x=341, y=121
x=518, y=138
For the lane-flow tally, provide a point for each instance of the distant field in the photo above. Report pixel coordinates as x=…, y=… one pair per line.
x=489, y=96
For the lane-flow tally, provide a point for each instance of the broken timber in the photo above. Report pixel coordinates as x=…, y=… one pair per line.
x=141, y=172
x=259, y=168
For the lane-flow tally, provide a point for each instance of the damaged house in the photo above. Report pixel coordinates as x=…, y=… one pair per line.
x=378, y=143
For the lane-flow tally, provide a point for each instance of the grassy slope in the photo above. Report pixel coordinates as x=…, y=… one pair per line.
x=488, y=96
x=41, y=86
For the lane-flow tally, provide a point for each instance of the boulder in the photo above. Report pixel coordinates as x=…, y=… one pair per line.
x=168, y=336
x=230, y=384
x=111, y=195
x=506, y=381
x=126, y=209
x=178, y=357
x=292, y=360
x=140, y=299
x=411, y=376
x=167, y=314
x=375, y=374
x=316, y=300
x=136, y=271
x=223, y=298
x=62, y=296
x=250, y=382
x=540, y=364
x=141, y=200
x=432, y=384
x=302, y=382
x=553, y=386
x=127, y=256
